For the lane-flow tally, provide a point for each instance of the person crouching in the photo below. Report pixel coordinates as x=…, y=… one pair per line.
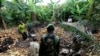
x=34, y=47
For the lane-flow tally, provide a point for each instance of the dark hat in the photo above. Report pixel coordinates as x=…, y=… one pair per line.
x=50, y=27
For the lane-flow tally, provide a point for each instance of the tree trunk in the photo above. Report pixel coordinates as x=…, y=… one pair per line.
x=88, y=15
x=54, y=19
x=33, y=16
x=4, y=24
x=2, y=20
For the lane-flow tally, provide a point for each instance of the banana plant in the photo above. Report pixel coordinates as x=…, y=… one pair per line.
x=54, y=6
x=78, y=8
x=21, y=10
x=93, y=14
x=24, y=11
x=17, y=10
x=88, y=14
x=33, y=7
x=44, y=13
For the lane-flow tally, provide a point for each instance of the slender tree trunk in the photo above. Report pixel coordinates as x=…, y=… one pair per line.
x=88, y=15
x=54, y=14
x=33, y=16
x=61, y=17
x=4, y=24
x=2, y=19
x=64, y=17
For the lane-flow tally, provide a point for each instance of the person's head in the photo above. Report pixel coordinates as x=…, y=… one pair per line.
x=50, y=28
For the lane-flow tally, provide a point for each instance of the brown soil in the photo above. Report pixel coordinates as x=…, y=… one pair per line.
x=18, y=51
x=21, y=51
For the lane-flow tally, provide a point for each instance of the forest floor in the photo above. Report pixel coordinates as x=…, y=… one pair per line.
x=20, y=47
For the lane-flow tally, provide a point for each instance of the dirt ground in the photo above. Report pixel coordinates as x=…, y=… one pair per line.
x=20, y=47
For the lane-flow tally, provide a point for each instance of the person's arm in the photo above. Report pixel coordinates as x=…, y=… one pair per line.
x=41, y=50
x=58, y=45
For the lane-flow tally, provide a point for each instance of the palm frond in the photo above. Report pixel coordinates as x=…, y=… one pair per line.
x=72, y=29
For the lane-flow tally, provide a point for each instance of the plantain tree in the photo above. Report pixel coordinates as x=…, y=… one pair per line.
x=18, y=10
x=44, y=14
x=47, y=13
x=93, y=15
x=78, y=8
x=33, y=8
x=54, y=8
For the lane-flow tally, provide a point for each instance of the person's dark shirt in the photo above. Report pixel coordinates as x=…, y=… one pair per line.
x=42, y=51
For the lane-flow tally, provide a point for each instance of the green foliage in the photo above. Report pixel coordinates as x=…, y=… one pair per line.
x=17, y=10
x=22, y=11
x=78, y=9
x=44, y=14
x=1, y=3
x=88, y=14
x=14, y=12
x=93, y=14
x=75, y=8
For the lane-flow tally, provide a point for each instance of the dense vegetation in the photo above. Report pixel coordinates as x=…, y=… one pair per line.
x=11, y=12
x=83, y=12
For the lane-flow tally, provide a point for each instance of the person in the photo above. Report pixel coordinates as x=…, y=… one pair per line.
x=22, y=30
x=34, y=47
x=69, y=19
x=49, y=45
x=21, y=27
x=31, y=34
